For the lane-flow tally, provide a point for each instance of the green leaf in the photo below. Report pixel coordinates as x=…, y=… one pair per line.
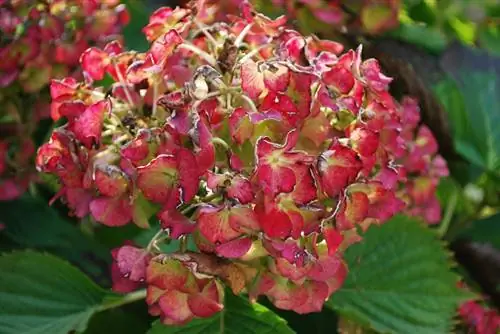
x=31, y=223
x=239, y=316
x=399, y=281
x=42, y=294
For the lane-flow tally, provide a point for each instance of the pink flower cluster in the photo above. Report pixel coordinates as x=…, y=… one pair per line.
x=319, y=16
x=272, y=151
x=480, y=318
x=41, y=40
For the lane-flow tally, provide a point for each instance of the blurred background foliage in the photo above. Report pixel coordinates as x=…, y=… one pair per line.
x=444, y=52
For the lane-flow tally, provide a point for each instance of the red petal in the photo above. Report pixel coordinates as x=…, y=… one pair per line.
x=243, y=219
x=137, y=149
x=305, y=189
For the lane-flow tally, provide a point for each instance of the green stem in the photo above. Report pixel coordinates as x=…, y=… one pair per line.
x=154, y=239
x=127, y=299
x=450, y=208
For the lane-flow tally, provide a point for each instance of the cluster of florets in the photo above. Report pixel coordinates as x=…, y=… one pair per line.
x=319, y=16
x=270, y=150
x=41, y=40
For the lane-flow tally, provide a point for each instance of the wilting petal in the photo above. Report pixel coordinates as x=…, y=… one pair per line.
x=170, y=274
x=158, y=180
x=79, y=201
x=240, y=189
x=333, y=239
x=364, y=141
x=164, y=46
x=252, y=80
x=213, y=224
x=121, y=284
x=94, y=62
x=206, y=303
x=111, y=181
x=132, y=262
x=353, y=210
x=338, y=167
x=275, y=223
x=276, y=77
x=174, y=306
x=240, y=125
x=177, y=223
x=88, y=127
x=111, y=211
x=189, y=174
x=317, y=295
x=235, y=248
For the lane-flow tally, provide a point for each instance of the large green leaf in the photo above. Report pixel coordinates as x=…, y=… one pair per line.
x=41, y=294
x=31, y=223
x=239, y=316
x=399, y=281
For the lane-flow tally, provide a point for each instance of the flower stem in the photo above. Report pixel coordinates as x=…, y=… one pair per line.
x=450, y=208
x=123, y=300
x=152, y=243
x=208, y=58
